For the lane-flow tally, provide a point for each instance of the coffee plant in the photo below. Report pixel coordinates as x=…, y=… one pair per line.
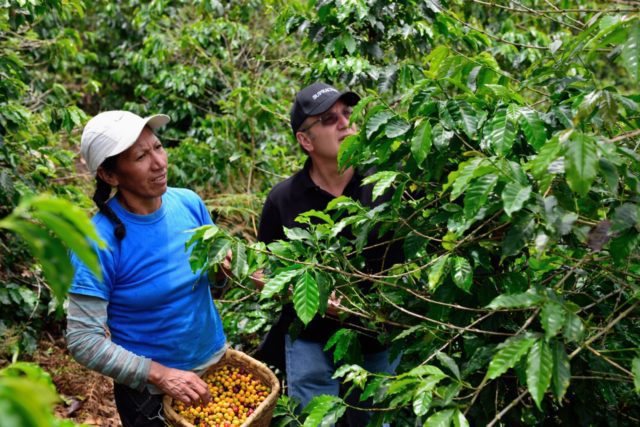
x=512, y=158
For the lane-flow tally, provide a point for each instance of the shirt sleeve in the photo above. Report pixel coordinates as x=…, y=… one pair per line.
x=204, y=212
x=270, y=227
x=89, y=342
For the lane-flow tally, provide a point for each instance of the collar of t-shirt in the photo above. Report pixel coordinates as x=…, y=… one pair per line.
x=352, y=189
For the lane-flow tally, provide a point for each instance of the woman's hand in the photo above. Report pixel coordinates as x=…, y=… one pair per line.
x=185, y=386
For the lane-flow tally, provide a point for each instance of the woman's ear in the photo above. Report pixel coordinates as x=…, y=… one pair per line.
x=109, y=177
x=305, y=141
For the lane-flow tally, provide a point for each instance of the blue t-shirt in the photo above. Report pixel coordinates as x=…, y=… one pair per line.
x=158, y=307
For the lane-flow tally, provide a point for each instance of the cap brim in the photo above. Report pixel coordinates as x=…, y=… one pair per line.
x=156, y=121
x=349, y=98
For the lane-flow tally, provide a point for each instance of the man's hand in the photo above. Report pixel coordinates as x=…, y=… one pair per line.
x=258, y=279
x=333, y=305
x=225, y=266
x=185, y=386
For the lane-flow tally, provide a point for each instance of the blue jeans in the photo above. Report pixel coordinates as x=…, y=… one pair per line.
x=309, y=372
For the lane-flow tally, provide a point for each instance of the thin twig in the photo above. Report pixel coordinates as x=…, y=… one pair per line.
x=507, y=409
x=604, y=330
x=609, y=361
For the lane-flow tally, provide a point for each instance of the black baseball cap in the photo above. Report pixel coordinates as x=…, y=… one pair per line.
x=316, y=99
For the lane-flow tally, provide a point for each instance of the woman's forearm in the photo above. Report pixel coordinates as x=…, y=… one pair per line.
x=88, y=341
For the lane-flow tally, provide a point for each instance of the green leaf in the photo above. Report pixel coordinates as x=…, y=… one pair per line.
x=527, y=299
x=437, y=271
x=447, y=361
x=514, y=195
x=383, y=180
x=635, y=368
x=561, y=370
x=504, y=93
x=349, y=42
x=26, y=402
x=459, y=420
x=581, y=162
x=461, y=177
x=622, y=246
x=297, y=233
x=477, y=194
x=425, y=370
x=72, y=213
x=421, y=142
x=278, y=282
x=440, y=419
x=422, y=399
x=343, y=340
x=239, y=266
x=396, y=127
x=462, y=273
x=348, y=147
x=501, y=132
x=549, y=152
x=218, y=251
x=573, y=328
x=209, y=231
x=306, y=217
x=539, y=370
x=324, y=406
x=48, y=250
x=631, y=51
x=610, y=174
x=306, y=297
x=533, y=128
x=509, y=353
x=552, y=318
x=625, y=217
x=518, y=235
x=465, y=117
x=401, y=385
x=441, y=137
x=72, y=238
x=376, y=121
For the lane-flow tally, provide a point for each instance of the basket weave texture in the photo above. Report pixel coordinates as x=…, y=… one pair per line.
x=261, y=417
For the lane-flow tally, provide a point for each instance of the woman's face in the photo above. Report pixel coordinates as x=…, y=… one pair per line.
x=141, y=174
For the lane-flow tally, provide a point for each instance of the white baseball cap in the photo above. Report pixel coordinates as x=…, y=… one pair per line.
x=112, y=132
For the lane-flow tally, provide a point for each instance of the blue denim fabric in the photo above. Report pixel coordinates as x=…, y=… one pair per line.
x=309, y=372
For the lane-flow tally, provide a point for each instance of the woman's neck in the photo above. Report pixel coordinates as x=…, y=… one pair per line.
x=139, y=206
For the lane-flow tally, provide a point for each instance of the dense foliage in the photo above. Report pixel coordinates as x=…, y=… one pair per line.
x=507, y=132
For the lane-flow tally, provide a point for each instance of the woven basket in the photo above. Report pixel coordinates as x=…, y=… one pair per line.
x=261, y=417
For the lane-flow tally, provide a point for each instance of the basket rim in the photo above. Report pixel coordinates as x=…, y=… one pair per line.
x=229, y=356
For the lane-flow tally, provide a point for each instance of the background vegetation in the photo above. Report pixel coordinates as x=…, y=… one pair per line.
x=508, y=132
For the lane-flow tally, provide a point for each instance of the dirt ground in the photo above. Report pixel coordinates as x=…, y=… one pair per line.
x=87, y=396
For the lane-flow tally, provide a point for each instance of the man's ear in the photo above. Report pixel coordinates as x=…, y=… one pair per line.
x=109, y=177
x=304, y=141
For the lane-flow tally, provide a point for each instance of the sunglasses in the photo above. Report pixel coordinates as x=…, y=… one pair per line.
x=329, y=119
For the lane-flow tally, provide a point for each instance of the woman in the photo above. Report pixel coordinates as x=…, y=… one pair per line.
x=150, y=323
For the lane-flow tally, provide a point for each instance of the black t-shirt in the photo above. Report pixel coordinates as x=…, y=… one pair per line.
x=298, y=194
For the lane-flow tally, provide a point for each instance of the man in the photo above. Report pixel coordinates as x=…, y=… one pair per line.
x=320, y=122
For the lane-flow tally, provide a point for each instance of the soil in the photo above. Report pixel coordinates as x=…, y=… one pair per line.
x=87, y=397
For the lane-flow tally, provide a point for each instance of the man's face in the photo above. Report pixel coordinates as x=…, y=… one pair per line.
x=322, y=134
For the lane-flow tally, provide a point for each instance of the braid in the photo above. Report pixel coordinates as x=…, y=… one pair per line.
x=100, y=197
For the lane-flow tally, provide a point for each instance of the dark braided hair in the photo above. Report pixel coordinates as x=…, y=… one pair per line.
x=102, y=194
